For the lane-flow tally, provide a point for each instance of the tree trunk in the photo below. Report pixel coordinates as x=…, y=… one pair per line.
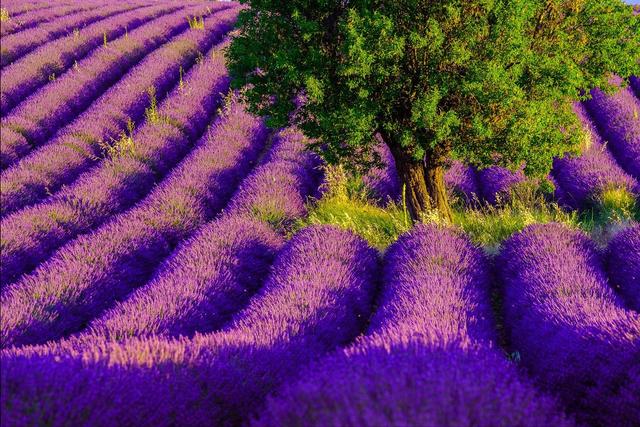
x=438, y=191
x=423, y=183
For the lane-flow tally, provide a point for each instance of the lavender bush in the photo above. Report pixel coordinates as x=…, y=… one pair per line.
x=200, y=287
x=623, y=264
x=582, y=179
x=58, y=103
x=31, y=19
x=24, y=76
x=213, y=274
x=462, y=181
x=567, y=325
x=495, y=183
x=277, y=190
x=617, y=118
x=384, y=182
x=16, y=45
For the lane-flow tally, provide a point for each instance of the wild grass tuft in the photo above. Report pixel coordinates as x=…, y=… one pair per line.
x=345, y=203
x=151, y=112
x=123, y=146
x=196, y=22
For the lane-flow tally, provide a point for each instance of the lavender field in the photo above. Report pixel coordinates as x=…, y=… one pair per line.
x=167, y=259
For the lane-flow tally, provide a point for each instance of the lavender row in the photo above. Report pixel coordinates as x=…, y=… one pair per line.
x=89, y=274
x=14, y=146
x=617, y=119
x=32, y=234
x=17, y=8
x=199, y=288
x=30, y=20
x=213, y=274
x=276, y=192
x=568, y=327
x=436, y=283
x=23, y=77
x=322, y=285
x=426, y=359
x=56, y=104
x=584, y=178
x=623, y=265
x=17, y=45
x=635, y=85
x=78, y=145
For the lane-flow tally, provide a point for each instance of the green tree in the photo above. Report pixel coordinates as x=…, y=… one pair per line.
x=484, y=81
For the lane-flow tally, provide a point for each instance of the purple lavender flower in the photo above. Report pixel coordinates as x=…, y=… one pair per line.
x=635, y=85
x=16, y=45
x=567, y=325
x=462, y=181
x=56, y=104
x=390, y=383
x=496, y=182
x=22, y=77
x=384, y=182
x=277, y=190
x=39, y=17
x=426, y=359
x=582, y=179
x=198, y=289
x=13, y=147
x=617, y=118
x=623, y=264
x=436, y=285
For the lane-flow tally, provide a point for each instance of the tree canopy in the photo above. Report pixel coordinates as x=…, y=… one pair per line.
x=489, y=82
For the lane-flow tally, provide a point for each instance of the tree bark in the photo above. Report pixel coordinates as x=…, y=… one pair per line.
x=423, y=184
x=438, y=191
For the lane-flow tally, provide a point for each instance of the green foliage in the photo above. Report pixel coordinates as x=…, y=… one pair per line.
x=486, y=81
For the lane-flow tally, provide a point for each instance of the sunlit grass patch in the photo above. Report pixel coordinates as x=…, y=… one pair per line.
x=345, y=203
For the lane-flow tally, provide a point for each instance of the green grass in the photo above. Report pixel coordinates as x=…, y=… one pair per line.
x=346, y=203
